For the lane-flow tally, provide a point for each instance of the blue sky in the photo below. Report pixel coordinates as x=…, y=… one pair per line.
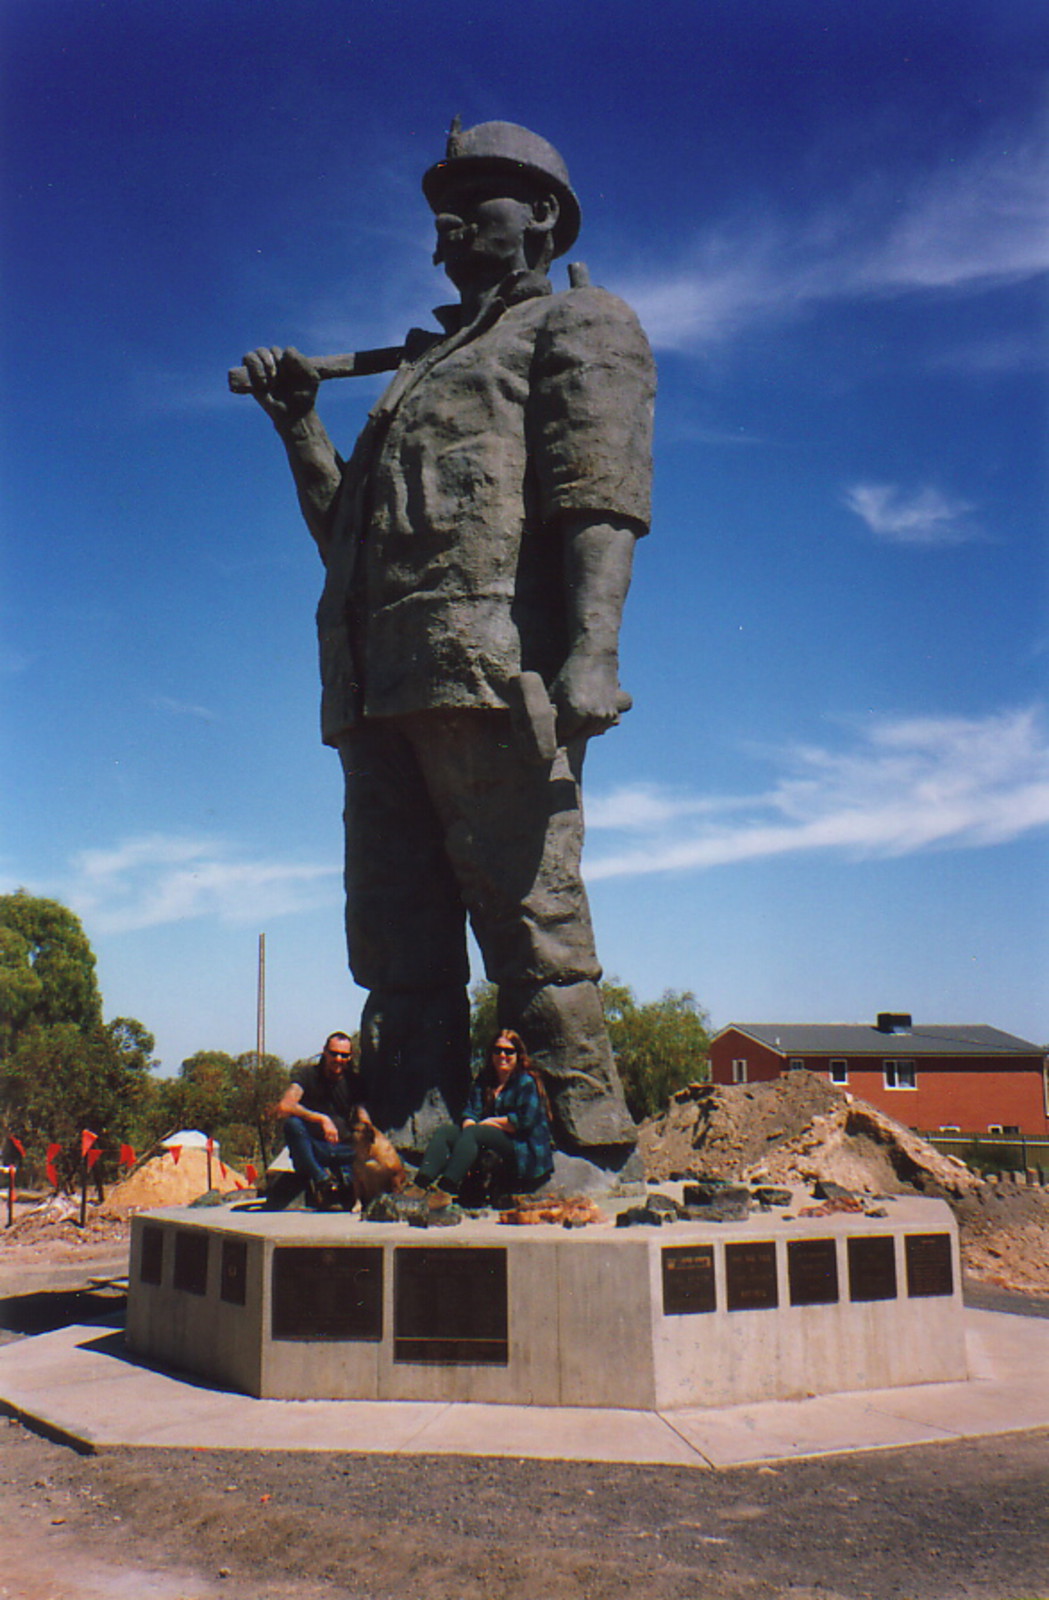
x=832, y=795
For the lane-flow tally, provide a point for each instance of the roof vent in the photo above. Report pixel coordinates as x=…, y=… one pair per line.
x=893, y=1021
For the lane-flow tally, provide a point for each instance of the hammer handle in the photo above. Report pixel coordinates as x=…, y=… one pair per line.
x=358, y=364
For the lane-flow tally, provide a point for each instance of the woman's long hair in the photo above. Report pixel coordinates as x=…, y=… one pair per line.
x=523, y=1063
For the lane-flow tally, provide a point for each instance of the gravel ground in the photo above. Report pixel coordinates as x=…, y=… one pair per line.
x=953, y=1521
x=939, y=1522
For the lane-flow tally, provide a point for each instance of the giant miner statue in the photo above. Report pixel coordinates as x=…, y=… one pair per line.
x=477, y=547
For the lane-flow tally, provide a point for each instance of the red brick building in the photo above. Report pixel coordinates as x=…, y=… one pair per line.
x=974, y=1079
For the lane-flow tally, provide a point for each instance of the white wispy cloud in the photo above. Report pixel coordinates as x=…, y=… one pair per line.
x=159, y=878
x=975, y=222
x=183, y=708
x=924, y=516
x=644, y=805
x=905, y=786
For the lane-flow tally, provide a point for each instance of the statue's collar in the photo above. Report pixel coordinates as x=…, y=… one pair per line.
x=516, y=287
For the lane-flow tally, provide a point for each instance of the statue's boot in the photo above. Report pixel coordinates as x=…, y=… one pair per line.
x=564, y=1028
x=415, y=1053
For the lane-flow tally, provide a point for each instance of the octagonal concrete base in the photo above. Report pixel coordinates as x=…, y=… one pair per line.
x=326, y=1306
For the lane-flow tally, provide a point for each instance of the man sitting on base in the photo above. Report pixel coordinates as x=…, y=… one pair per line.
x=319, y=1108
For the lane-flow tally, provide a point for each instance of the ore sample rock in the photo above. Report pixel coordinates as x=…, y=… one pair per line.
x=721, y=1210
x=711, y=1190
x=641, y=1217
x=823, y=1189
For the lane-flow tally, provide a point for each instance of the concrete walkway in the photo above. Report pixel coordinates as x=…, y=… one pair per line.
x=79, y=1385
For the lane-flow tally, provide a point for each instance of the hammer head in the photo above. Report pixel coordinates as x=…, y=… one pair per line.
x=533, y=717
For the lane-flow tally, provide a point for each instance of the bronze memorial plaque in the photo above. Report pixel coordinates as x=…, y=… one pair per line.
x=928, y=1258
x=191, y=1262
x=812, y=1271
x=327, y=1293
x=872, y=1267
x=151, y=1261
x=450, y=1307
x=688, y=1279
x=233, y=1285
x=750, y=1276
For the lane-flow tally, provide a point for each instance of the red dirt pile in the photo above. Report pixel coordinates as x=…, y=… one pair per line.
x=163, y=1181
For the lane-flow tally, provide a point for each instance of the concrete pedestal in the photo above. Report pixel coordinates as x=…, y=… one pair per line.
x=305, y=1306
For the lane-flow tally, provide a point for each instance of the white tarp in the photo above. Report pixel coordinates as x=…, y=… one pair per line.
x=189, y=1139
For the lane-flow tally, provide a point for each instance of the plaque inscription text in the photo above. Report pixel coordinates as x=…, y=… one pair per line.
x=327, y=1292
x=688, y=1279
x=450, y=1307
x=872, y=1267
x=750, y=1276
x=812, y=1269
x=928, y=1257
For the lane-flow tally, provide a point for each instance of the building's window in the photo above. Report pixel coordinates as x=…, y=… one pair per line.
x=899, y=1075
x=739, y=1071
x=1011, y=1130
x=994, y=1127
x=839, y=1072
x=796, y=1065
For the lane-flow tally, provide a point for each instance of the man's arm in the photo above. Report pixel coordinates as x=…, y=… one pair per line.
x=598, y=561
x=593, y=386
x=290, y=1105
x=285, y=385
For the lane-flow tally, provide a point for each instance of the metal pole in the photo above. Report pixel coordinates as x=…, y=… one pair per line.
x=260, y=1049
x=260, y=1010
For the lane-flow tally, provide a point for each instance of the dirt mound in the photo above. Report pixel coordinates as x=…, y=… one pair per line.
x=715, y=1132
x=1005, y=1235
x=163, y=1181
x=796, y=1129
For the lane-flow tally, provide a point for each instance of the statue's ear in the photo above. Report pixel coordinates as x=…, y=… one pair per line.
x=545, y=212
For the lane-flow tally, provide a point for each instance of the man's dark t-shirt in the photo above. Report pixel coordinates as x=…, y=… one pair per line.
x=337, y=1099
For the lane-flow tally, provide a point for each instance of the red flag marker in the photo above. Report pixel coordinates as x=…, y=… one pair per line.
x=251, y=1175
x=87, y=1139
x=127, y=1156
x=19, y=1146
x=92, y=1157
x=176, y=1151
x=52, y=1151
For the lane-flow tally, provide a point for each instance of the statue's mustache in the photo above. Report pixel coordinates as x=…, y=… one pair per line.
x=456, y=237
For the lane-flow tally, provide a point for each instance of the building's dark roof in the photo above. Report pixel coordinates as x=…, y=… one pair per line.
x=863, y=1039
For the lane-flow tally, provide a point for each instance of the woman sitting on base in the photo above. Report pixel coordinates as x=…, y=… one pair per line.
x=507, y=1112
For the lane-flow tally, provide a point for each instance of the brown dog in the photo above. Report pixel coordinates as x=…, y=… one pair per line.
x=377, y=1168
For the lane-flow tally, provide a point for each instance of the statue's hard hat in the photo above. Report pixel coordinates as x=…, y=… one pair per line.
x=492, y=146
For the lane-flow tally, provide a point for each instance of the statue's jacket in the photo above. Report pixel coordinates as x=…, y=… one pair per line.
x=445, y=560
